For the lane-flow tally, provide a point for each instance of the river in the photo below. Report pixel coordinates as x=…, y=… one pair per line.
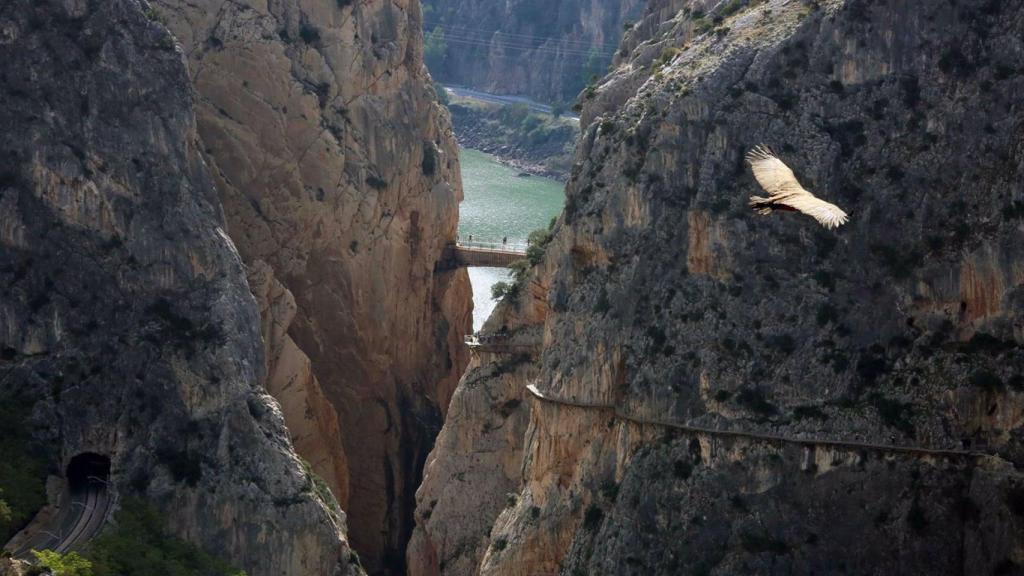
x=498, y=203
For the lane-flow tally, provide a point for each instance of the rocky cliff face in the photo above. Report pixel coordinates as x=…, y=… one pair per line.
x=722, y=391
x=546, y=50
x=127, y=328
x=340, y=182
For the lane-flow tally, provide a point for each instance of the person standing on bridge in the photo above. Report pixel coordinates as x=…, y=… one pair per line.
x=504, y=240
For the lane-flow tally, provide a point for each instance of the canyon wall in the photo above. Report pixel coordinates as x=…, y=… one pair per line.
x=340, y=182
x=127, y=328
x=545, y=50
x=725, y=393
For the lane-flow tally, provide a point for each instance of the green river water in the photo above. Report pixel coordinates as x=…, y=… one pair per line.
x=499, y=203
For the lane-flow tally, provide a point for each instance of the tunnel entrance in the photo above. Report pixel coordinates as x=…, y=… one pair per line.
x=87, y=469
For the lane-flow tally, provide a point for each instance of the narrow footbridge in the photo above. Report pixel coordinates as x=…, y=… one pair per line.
x=466, y=253
x=619, y=414
x=501, y=343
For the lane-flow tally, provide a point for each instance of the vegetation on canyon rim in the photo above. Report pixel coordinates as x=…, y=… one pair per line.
x=537, y=243
x=136, y=544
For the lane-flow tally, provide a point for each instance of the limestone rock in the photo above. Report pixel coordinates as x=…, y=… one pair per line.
x=670, y=301
x=127, y=328
x=340, y=182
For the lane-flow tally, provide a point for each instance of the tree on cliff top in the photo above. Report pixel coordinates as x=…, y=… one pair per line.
x=435, y=50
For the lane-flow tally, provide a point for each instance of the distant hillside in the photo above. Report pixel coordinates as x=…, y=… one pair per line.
x=546, y=50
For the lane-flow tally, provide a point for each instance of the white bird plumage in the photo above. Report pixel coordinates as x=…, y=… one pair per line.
x=786, y=193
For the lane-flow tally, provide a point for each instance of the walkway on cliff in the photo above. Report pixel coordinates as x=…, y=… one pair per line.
x=499, y=343
x=465, y=253
x=811, y=442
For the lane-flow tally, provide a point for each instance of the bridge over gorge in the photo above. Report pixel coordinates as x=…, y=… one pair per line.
x=502, y=343
x=469, y=252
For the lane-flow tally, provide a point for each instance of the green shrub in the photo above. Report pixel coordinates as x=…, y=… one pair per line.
x=442, y=94
x=804, y=412
x=537, y=242
x=70, y=564
x=592, y=518
x=682, y=469
x=376, y=182
x=502, y=289
x=318, y=486
x=429, y=163
x=986, y=381
x=435, y=49
x=309, y=33
x=894, y=413
x=755, y=400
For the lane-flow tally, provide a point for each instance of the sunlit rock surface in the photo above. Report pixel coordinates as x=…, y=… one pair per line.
x=671, y=301
x=340, y=182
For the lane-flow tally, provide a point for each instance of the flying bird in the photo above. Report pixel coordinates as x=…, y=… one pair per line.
x=785, y=193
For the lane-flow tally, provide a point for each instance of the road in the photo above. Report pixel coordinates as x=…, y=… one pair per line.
x=507, y=100
x=80, y=517
x=848, y=444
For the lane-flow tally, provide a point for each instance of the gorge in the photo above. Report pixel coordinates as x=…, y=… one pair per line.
x=223, y=293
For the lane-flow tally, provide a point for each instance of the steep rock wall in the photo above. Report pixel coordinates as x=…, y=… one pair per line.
x=671, y=302
x=546, y=50
x=127, y=328
x=340, y=182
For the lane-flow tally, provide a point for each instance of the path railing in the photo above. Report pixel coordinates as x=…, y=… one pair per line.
x=483, y=253
x=498, y=246
x=844, y=444
x=497, y=343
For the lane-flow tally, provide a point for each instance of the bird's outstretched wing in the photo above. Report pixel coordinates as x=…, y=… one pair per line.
x=772, y=174
x=828, y=215
x=783, y=188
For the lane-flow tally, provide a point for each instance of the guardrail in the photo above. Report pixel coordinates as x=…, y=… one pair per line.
x=842, y=444
x=496, y=246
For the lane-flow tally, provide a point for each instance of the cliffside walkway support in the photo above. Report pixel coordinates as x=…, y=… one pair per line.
x=500, y=344
x=619, y=414
x=467, y=253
